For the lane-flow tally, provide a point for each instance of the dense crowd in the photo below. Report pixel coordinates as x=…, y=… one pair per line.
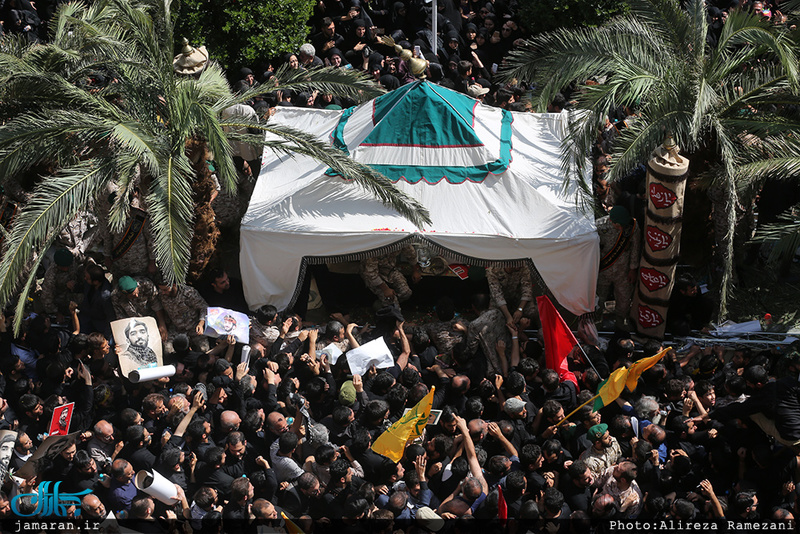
x=708, y=433
x=472, y=41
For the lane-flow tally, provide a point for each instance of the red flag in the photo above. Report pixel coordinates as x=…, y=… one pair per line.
x=502, y=507
x=558, y=339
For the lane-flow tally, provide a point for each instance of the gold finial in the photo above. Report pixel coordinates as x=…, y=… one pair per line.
x=417, y=65
x=187, y=48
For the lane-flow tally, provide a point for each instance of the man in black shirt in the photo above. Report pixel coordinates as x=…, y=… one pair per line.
x=576, y=485
x=224, y=292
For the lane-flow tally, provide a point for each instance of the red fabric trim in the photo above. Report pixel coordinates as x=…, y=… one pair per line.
x=421, y=146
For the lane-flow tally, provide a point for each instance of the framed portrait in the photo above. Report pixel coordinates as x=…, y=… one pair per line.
x=139, y=343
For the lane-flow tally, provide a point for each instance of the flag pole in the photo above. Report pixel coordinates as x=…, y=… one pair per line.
x=586, y=357
x=576, y=409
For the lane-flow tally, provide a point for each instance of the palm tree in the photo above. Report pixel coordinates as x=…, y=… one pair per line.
x=133, y=131
x=724, y=105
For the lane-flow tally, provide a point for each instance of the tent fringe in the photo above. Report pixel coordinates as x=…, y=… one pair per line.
x=435, y=248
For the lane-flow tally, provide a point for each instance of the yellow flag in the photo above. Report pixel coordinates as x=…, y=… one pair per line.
x=640, y=366
x=291, y=528
x=611, y=388
x=392, y=443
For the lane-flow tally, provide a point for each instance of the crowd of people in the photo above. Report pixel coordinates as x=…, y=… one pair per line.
x=707, y=434
x=251, y=433
x=473, y=39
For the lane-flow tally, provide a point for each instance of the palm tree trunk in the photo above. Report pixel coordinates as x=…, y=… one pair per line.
x=206, y=233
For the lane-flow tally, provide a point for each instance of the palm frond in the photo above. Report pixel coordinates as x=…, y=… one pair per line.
x=171, y=215
x=743, y=29
x=558, y=58
x=636, y=142
x=54, y=203
x=127, y=178
x=30, y=279
x=348, y=83
x=776, y=157
x=34, y=138
x=705, y=103
x=581, y=131
x=364, y=176
x=783, y=234
x=668, y=21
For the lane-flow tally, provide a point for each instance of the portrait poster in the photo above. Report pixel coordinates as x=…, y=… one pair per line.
x=7, y=440
x=221, y=322
x=56, y=443
x=62, y=417
x=138, y=343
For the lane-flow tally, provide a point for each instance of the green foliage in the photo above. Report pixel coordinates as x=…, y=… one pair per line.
x=547, y=15
x=132, y=132
x=243, y=32
x=715, y=101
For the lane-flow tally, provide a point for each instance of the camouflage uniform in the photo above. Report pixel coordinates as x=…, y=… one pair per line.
x=229, y=208
x=55, y=294
x=263, y=335
x=484, y=332
x=343, y=345
x=141, y=252
x=599, y=461
x=444, y=336
x=510, y=289
x=147, y=303
x=184, y=312
x=377, y=270
x=617, y=273
x=78, y=235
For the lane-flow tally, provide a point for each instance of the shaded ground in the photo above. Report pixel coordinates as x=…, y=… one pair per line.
x=760, y=291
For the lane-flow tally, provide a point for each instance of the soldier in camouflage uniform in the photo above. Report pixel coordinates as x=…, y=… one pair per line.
x=79, y=234
x=138, y=297
x=186, y=313
x=446, y=334
x=61, y=284
x=621, y=245
x=228, y=207
x=449, y=331
x=511, y=289
x=483, y=333
x=129, y=252
x=384, y=279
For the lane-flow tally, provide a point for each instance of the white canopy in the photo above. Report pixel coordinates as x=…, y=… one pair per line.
x=490, y=179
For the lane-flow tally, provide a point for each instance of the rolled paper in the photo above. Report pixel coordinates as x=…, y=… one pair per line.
x=246, y=354
x=155, y=485
x=151, y=373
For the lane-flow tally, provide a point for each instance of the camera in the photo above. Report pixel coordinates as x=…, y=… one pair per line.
x=297, y=400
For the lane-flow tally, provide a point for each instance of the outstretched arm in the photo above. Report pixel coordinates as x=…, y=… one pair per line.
x=495, y=431
x=402, y=360
x=472, y=458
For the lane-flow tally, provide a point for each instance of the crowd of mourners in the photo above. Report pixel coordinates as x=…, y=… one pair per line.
x=471, y=42
x=709, y=434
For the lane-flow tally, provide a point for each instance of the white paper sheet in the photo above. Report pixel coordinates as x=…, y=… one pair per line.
x=375, y=352
x=333, y=353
